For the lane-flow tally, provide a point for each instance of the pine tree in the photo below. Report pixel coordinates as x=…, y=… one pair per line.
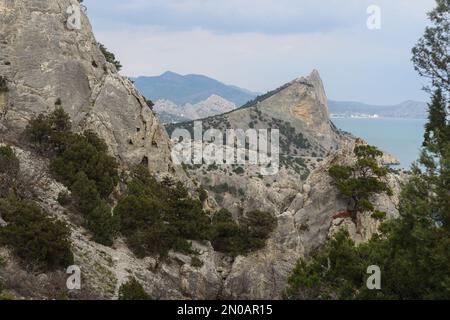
x=437, y=133
x=358, y=182
x=431, y=54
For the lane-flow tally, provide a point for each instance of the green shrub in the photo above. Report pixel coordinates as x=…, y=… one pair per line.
x=256, y=227
x=202, y=194
x=133, y=290
x=110, y=57
x=102, y=223
x=196, y=262
x=81, y=162
x=97, y=213
x=226, y=235
x=156, y=217
x=47, y=132
x=331, y=272
x=9, y=170
x=8, y=160
x=249, y=235
x=72, y=153
x=84, y=194
x=86, y=153
x=64, y=198
x=35, y=238
x=3, y=84
x=239, y=170
x=150, y=103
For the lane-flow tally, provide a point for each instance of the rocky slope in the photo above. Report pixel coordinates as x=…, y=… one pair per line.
x=169, y=112
x=306, y=223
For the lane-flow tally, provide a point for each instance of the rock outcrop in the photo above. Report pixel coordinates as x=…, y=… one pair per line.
x=45, y=64
x=308, y=222
x=169, y=112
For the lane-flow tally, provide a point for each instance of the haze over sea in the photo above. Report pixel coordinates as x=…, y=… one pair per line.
x=398, y=136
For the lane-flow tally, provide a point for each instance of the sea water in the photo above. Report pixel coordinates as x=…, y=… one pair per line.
x=400, y=137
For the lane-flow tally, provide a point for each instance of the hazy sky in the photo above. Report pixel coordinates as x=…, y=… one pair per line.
x=262, y=44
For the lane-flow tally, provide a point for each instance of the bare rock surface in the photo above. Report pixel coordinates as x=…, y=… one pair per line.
x=46, y=65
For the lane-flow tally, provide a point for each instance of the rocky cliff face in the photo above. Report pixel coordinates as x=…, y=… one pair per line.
x=304, y=104
x=46, y=64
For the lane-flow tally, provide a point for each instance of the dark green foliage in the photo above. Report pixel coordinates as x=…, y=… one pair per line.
x=430, y=55
x=73, y=153
x=359, y=182
x=133, y=290
x=110, y=57
x=150, y=103
x=226, y=234
x=85, y=153
x=202, y=194
x=437, y=132
x=431, y=59
x=250, y=235
x=239, y=170
x=223, y=188
x=3, y=84
x=48, y=132
x=84, y=194
x=156, y=217
x=289, y=137
x=81, y=162
x=102, y=223
x=39, y=241
x=9, y=170
x=97, y=213
x=196, y=262
x=331, y=273
x=412, y=254
x=64, y=198
x=256, y=227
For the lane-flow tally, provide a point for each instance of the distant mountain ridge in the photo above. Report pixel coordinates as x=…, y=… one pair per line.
x=177, y=97
x=407, y=109
x=169, y=112
x=191, y=88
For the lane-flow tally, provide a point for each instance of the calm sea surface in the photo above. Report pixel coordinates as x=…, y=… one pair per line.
x=400, y=137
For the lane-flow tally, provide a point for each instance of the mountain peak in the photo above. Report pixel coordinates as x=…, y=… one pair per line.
x=170, y=74
x=314, y=73
x=216, y=98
